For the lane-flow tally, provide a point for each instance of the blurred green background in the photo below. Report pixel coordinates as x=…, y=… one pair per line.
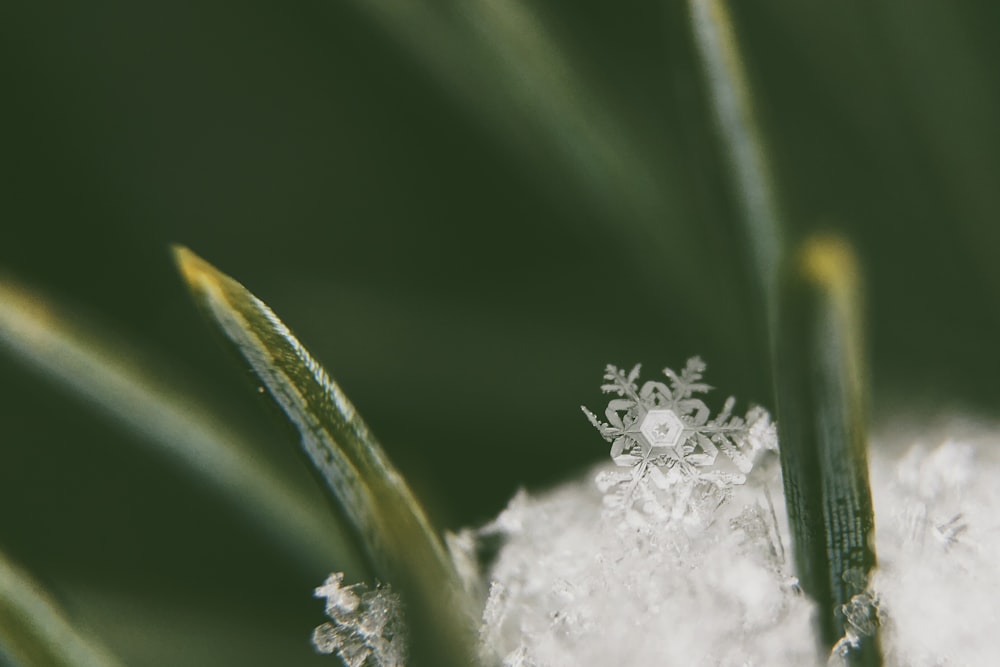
x=465, y=209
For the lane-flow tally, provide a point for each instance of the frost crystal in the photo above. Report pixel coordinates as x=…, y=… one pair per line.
x=367, y=628
x=577, y=587
x=862, y=617
x=664, y=433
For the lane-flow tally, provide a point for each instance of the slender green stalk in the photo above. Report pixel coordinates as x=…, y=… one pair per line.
x=390, y=524
x=88, y=363
x=34, y=631
x=742, y=143
x=823, y=432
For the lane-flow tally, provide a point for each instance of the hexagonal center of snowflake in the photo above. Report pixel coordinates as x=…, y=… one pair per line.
x=661, y=428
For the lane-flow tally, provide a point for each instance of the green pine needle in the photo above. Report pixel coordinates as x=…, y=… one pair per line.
x=822, y=424
x=356, y=473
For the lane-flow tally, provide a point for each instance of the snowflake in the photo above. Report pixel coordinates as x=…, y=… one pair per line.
x=664, y=434
x=862, y=616
x=367, y=628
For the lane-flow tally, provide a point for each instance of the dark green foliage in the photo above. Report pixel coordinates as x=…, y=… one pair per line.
x=487, y=259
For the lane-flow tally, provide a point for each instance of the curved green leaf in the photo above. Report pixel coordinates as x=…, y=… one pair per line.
x=100, y=369
x=34, y=631
x=391, y=526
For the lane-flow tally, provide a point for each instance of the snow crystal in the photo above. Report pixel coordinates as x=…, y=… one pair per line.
x=664, y=435
x=366, y=628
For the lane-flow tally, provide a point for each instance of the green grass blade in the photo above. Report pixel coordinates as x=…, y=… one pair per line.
x=501, y=62
x=34, y=631
x=497, y=58
x=355, y=471
x=100, y=369
x=742, y=142
x=822, y=424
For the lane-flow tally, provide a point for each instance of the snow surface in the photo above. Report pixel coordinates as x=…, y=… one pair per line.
x=578, y=583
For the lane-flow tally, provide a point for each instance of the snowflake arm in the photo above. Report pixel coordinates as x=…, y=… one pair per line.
x=687, y=383
x=619, y=382
x=606, y=430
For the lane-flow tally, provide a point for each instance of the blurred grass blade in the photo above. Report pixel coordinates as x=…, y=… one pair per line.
x=98, y=368
x=823, y=432
x=500, y=61
x=390, y=524
x=34, y=631
x=742, y=143
x=168, y=631
x=497, y=58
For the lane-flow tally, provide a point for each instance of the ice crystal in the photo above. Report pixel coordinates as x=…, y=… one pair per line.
x=366, y=628
x=862, y=617
x=664, y=434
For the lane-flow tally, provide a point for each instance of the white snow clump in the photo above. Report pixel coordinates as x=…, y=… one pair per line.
x=577, y=585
